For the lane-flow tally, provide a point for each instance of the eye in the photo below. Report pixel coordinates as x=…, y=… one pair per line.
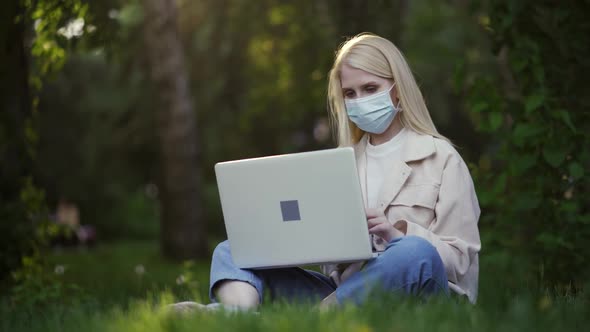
x=349, y=94
x=371, y=89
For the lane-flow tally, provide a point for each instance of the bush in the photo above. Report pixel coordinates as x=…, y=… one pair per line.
x=533, y=183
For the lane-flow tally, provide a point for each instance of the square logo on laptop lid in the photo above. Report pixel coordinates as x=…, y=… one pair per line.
x=290, y=210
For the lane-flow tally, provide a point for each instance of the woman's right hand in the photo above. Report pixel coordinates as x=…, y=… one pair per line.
x=379, y=225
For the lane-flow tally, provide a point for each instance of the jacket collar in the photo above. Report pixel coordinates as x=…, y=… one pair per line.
x=416, y=147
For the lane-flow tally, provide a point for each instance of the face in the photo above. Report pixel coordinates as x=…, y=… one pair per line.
x=357, y=83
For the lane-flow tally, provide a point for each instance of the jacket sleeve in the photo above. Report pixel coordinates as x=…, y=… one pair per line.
x=454, y=230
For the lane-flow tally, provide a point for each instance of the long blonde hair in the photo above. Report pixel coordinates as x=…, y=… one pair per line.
x=378, y=56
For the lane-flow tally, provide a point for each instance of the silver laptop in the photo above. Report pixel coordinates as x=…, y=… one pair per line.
x=295, y=209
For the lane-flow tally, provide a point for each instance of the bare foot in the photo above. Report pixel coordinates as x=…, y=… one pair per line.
x=186, y=307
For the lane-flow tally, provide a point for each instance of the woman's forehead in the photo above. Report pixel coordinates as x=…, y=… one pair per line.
x=353, y=77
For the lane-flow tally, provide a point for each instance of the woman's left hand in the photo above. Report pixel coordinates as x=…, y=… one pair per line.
x=380, y=226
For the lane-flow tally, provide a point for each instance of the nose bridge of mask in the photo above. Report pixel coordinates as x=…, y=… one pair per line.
x=371, y=97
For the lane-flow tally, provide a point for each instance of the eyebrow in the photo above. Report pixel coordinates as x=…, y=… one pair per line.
x=364, y=85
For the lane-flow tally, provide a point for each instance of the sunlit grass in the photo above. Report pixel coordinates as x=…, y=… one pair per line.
x=125, y=298
x=522, y=314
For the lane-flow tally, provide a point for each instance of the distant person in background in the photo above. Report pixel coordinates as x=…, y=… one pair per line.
x=421, y=206
x=68, y=215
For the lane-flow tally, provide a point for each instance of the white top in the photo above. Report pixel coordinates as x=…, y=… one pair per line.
x=379, y=159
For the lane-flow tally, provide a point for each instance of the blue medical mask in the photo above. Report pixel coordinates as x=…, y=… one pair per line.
x=374, y=113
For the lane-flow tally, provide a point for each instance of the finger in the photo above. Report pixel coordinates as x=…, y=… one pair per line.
x=372, y=213
x=381, y=230
x=376, y=221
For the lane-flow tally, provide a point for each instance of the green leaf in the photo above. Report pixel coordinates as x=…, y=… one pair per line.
x=533, y=102
x=523, y=162
x=526, y=201
x=500, y=184
x=553, y=241
x=524, y=131
x=565, y=116
x=554, y=155
x=495, y=120
x=568, y=207
x=486, y=198
x=576, y=170
x=480, y=106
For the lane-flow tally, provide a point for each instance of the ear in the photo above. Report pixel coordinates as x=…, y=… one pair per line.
x=393, y=95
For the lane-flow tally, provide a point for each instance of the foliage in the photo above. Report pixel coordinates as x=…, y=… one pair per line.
x=21, y=227
x=533, y=183
x=23, y=211
x=32, y=285
x=48, y=16
x=37, y=288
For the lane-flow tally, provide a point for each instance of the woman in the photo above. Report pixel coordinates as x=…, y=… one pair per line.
x=420, y=201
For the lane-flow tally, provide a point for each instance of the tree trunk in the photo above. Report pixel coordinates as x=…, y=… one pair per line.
x=182, y=229
x=15, y=160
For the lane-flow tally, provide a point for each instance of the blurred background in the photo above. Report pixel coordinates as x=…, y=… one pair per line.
x=114, y=113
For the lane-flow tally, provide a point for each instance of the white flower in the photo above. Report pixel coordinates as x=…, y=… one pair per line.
x=180, y=280
x=59, y=269
x=139, y=269
x=113, y=14
x=74, y=28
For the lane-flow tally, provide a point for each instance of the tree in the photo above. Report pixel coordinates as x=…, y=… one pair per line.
x=182, y=229
x=15, y=163
x=29, y=54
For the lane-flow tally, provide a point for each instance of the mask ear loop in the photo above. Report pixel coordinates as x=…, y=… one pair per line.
x=399, y=102
x=398, y=108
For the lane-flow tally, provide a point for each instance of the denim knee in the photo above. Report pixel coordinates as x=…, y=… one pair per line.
x=414, y=248
x=409, y=250
x=221, y=250
x=224, y=268
x=418, y=257
x=410, y=265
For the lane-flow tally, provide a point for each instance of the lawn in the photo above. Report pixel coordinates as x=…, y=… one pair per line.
x=126, y=285
x=123, y=271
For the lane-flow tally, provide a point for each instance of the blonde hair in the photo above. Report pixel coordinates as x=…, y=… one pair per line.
x=378, y=56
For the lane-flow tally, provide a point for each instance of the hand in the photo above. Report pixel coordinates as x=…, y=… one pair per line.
x=380, y=226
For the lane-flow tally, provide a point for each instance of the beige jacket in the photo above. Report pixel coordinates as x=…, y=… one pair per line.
x=431, y=191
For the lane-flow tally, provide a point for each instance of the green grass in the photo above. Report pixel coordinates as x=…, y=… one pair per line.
x=123, y=300
x=119, y=272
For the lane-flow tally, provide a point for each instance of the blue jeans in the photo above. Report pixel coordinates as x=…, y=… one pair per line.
x=410, y=265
